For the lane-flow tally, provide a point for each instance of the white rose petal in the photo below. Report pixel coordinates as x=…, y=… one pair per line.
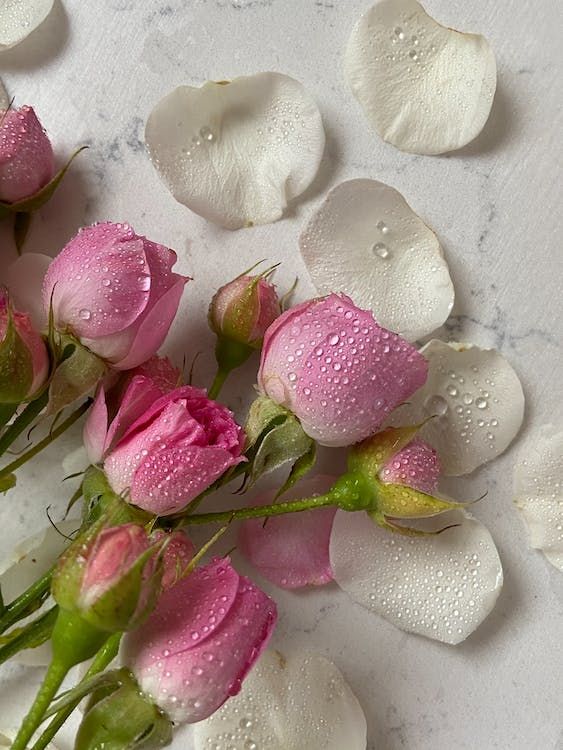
x=237, y=152
x=439, y=586
x=538, y=490
x=27, y=562
x=288, y=703
x=18, y=18
x=476, y=399
x=426, y=88
x=366, y=241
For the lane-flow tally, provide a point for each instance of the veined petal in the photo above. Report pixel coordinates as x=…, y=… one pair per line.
x=18, y=18
x=367, y=242
x=288, y=702
x=538, y=491
x=425, y=88
x=440, y=586
x=236, y=153
x=476, y=399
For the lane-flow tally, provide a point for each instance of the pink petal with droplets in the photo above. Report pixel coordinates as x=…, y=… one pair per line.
x=101, y=281
x=152, y=328
x=168, y=479
x=178, y=552
x=417, y=465
x=337, y=369
x=161, y=371
x=26, y=155
x=291, y=551
x=139, y=395
x=173, y=423
x=188, y=671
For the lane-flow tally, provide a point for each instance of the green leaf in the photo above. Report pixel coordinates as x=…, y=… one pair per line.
x=38, y=199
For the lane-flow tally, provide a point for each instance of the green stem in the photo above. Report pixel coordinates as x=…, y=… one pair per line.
x=22, y=422
x=26, y=602
x=260, y=511
x=55, y=675
x=103, y=658
x=218, y=382
x=53, y=435
x=30, y=636
x=73, y=641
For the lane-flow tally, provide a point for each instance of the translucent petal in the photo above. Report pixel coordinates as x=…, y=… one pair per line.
x=18, y=18
x=367, y=242
x=476, y=399
x=538, y=491
x=440, y=586
x=425, y=88
x=287, y=703
x=237, y=152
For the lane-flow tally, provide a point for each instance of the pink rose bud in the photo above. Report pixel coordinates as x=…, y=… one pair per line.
x=26, y=156
x=243, y=309
x=416, y=465
x=24, y=361
x=110, y=576
x=337, y=369
x=188, y=664
x=115, y=292
x=163, y=450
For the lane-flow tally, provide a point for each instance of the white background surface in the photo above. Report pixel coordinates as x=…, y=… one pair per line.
x=94, y=71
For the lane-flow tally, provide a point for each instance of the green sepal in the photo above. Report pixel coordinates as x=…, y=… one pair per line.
x=16, y=364
x=101, y=501
x=300, y=468
x=76, y=374
x=125, y=719
x=276, y=438
x=107, y=681
x=400, y=501
x=38, y=199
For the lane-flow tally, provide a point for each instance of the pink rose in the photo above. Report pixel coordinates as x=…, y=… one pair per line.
x=115, y=291
x=337, y=369
x=26, y=157
x=416, y=465
x=23, y=355
x=164, y=449
x=201, y=641
x=243, y=309
x=109, y=576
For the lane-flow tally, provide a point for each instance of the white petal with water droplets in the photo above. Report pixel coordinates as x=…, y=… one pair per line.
x=426, y=88
x=27, y=562
x=4, y=99
x=538, y=491
x=476, y=399
x=439, y=586
x=18, y=18
x=366, y=241
x=290, y=702
x=237, y=152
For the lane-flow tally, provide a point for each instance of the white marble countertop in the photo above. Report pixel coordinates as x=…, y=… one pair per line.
x=93, y=73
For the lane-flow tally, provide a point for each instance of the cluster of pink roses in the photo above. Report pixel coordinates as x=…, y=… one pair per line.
x=328, y=374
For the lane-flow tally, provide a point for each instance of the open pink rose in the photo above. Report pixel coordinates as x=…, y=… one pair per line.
x=337, y=369
x=115, y=291
x=201, y=641
x=26, y=156
x=163, y=449
x=292, y=550
x=25, y=362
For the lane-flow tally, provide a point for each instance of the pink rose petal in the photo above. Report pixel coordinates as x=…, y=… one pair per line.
x=417, y=465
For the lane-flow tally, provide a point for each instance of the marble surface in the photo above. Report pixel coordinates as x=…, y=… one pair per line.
x=94, y=70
